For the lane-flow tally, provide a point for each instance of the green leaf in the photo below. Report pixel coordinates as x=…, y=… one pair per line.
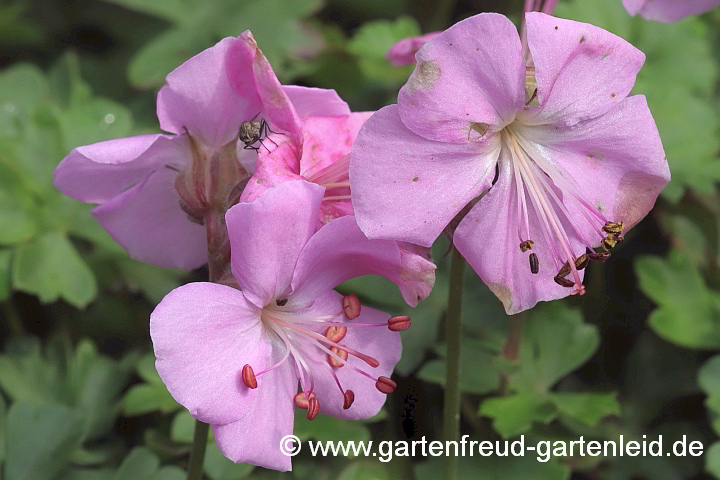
x=182, y=428
x=373, y=40
x=586, y=408
x=140, y=464
x=478, y=376
x=94, y=121
x=18, y=227
x=3, y=430
x=25, y=375
x=555, y=342
x=496, y=468
x=50, y=268
x=371, y=44
x=712, y=459
x=364, y=470
x=23, y=87
x=516, y=414
x=325, y=428
x=40, y=440
x=142, y=399
x=217, y=467
x=5, y=262
x=688, y=313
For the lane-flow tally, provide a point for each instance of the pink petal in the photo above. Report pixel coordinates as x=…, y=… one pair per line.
x=617, y=160
x=278, y=166
x=403, y=52
x=339, y=251
x=203, y=334
x=377, y=342
x=327, y=140
x=253, y=76
x=255, y=438
x=316, y=102
x=669, y=10
x=488, y=239
x=473, y=72
x=200, y=96
x=416, y=278
x=267, y=235
x=96, y=173
x=148, y=222
x=408, y=188
x=582, y=71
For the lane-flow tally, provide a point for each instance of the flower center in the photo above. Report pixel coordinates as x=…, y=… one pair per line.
x=550, y=192
x=335, y=178
x=295, y=328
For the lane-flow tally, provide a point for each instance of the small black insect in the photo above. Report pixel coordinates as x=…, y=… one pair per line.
x=255, y=131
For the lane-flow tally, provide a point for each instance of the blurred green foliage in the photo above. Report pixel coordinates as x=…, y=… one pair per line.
x=80, y=398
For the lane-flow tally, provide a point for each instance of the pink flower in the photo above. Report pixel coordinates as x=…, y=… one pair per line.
x=403, y=52
x=668, y=11
x=234, y=357
x=155, y=189
x=323, y=158
x=577, y=161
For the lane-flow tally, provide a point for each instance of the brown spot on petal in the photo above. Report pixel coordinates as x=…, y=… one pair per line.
x=424, y=77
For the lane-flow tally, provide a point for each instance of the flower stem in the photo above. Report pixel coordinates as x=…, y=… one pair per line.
x=218, y=259
x=451, y=414
x=197, y=454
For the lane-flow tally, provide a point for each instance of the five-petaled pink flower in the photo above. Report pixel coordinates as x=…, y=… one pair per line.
x=323, y=158
x=155, y=189
x=234, y=357
x=567, y=159
x=669, y=10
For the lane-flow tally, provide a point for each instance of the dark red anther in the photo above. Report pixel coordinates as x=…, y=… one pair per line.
x=301, y=399
x=313, y=407
x=351, y=306
x=334, y=362
x=336, y=334
x=385, y=385
x=349, y=399
x=582, y=261
x=398, y=324
x=563, y=282
x=534, y=264
x=248, y=376
x=600, y=257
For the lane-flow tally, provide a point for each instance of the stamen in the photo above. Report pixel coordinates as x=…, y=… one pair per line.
x=385, y=385
x=534, y=264
x=336, y=198
x=365, y=358
x=349, y=398
x=526, y=245
x=600, y=257
x=351, y=306
x=334, y=362
x=248, y=377
x=398, y=324
x=615, y=228
x=336, y=334
x=301, y=399
x=313, y=408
